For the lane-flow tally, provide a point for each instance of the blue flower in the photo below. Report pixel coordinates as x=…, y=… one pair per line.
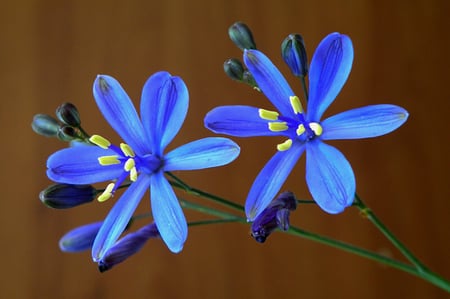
x=141, y=159
x=329, y=175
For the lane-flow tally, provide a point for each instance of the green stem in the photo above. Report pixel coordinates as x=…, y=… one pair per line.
x=416, y=269
x=210, y=211
x=368, y=213
x=305, y=88
x=178, y=183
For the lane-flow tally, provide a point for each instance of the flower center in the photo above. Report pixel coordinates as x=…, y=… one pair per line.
x=296, y=128
x=132, y=164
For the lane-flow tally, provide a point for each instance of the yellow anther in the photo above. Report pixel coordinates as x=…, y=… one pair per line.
x=285, y=145
x=107, y=193
x=108, y=160
x=127, y=150
x=278, y=126
x=296, y=105
x=100, y=141
x=267, y=114
x=133, y=174
x=129, y=164
x=316, y=128
x=300, y=129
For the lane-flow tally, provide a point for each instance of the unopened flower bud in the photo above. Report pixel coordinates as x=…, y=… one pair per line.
x=241, y=36
x=80, y=238
x=63, y=196
x=68, y=114
x=67, y=133
x=276, y=215
x=294, y=54
x=234, y=69
x=127, y=246
x=45, y=125
x=248, y=79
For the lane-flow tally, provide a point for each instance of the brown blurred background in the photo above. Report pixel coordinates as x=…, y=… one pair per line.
x=51, y=51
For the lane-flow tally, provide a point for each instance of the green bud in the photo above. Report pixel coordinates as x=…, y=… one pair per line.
x=234, y=69
x=45, y=125
x=248, y=78
x=68, y=114
x=67, y=133
x=241, y=36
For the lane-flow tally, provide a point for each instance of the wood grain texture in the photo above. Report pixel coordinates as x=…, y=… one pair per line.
x=51, y=51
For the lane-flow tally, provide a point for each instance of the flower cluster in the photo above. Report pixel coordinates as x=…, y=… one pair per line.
x=140, y=163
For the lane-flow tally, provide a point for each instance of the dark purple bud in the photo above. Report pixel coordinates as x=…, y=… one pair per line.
x=68, y=114
x=127, y=246
x=234, y=69
x=63, y=196
x=45, y=125
x=276, y=215
x=241, y=36
x=294, y=54
x=80, y=238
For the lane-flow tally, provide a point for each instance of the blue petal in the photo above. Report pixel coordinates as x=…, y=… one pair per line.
x=270, y=80
x=364, y=122
x=164, y=105
x=79, y=165
x=119, y=216
x=120, y=113
x=167, y=212
x=80, y=238
x=330, y=67
x=329, y=177
x=270, y=180
x=240, y=121
x=202, y=153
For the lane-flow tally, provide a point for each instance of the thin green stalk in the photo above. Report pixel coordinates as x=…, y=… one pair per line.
x=416, y=269
x=305, y=88
x=178, y=183
x=210, y=221
x=425, y=275
x=368, y=213
x=210, y=211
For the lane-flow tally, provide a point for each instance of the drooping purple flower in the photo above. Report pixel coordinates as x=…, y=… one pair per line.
x=127, y=246
x=329, y=175
x=141, y=159
x=275, y=215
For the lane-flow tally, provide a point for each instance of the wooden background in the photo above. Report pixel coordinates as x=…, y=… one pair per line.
x=51, y=51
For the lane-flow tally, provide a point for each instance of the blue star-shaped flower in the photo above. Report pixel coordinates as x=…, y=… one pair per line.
x=329, y=175
x=164, y=105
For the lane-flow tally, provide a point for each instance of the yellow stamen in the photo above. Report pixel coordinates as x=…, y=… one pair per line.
x=316, y=128
x=107, y=193
x=285, y=145
x=129, y=164
x=133, y=174
x=100, y=141
x=127, y=150
x=296, y=105
x=278, y=126
x=108, y=160
x=267, y=114
x=300, y=129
